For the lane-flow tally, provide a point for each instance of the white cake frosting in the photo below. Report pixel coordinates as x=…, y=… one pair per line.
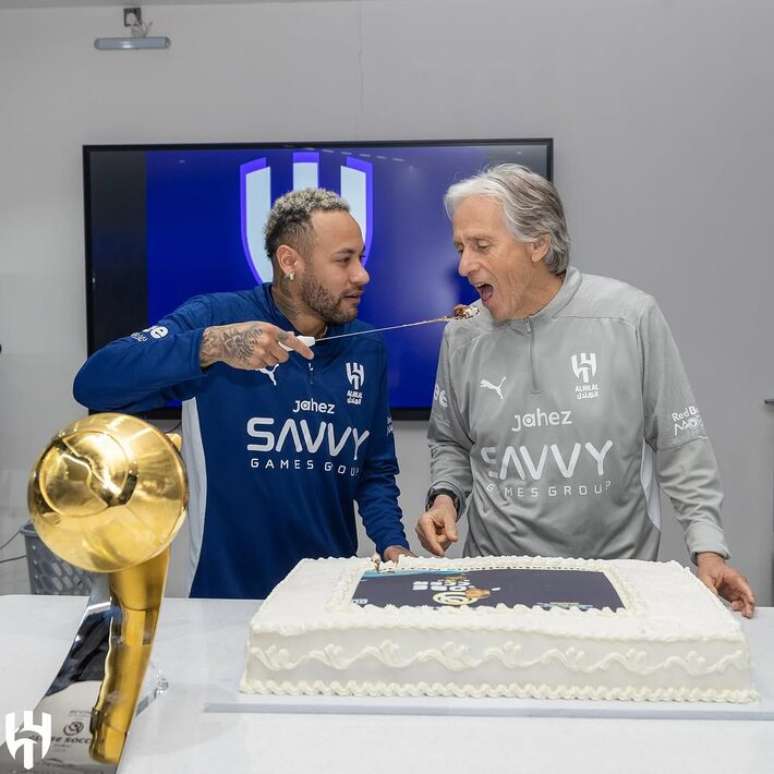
x=673, y=640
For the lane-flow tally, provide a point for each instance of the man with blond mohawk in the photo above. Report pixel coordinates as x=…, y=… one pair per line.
x=279, y=443
x=563, y=408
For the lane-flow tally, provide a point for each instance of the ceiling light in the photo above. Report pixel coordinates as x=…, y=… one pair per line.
x=139, y=37
x=121, y=44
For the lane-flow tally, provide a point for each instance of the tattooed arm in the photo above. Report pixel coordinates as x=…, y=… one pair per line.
x=249, y=345
x=164, y=362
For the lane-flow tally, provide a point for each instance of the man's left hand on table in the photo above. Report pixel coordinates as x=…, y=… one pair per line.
x=726, y=582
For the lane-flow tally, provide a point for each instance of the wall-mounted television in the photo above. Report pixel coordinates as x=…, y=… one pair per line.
x=166, y=222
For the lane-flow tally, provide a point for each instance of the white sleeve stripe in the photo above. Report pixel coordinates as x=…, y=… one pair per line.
x=650, y=485
x=193, y=456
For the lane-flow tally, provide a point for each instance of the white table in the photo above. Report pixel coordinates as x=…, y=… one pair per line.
x=200, y=647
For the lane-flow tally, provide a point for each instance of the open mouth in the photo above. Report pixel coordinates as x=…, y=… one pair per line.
x=485, y=290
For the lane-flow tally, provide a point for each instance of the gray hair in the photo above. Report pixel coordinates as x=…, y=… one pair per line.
x=531, y=206
x=289, y=221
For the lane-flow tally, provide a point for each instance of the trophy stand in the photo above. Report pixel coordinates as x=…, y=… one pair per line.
x=108, y=495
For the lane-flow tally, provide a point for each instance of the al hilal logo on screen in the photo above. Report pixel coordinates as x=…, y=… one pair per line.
x=356, y=184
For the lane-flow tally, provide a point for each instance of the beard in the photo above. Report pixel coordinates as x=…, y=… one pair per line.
x=321, y=301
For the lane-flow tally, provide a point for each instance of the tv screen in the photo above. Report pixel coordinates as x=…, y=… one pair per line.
x=164, y=223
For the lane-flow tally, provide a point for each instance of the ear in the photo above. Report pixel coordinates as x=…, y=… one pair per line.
x=540, y=248
x=288, y=260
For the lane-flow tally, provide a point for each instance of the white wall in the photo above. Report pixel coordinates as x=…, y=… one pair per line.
x=663, y=121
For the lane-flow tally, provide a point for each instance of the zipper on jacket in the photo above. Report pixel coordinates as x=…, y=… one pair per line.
x=531, y=332
x=311, y=373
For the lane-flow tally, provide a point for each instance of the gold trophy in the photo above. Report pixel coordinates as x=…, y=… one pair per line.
x=108, y=495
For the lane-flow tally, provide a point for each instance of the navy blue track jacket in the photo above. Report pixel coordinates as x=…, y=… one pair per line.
x=275, y=458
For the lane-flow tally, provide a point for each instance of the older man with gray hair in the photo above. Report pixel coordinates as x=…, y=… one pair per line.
x=563, y=408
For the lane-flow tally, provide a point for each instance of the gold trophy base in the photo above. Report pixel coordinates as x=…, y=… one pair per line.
x=108, y=495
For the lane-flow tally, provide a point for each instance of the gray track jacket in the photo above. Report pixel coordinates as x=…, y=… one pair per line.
x=557, y=430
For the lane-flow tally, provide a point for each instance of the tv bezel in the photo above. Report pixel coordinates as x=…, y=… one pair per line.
x=417, y=413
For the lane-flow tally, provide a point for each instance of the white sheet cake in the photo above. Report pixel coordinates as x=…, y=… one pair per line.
x=666, y=638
